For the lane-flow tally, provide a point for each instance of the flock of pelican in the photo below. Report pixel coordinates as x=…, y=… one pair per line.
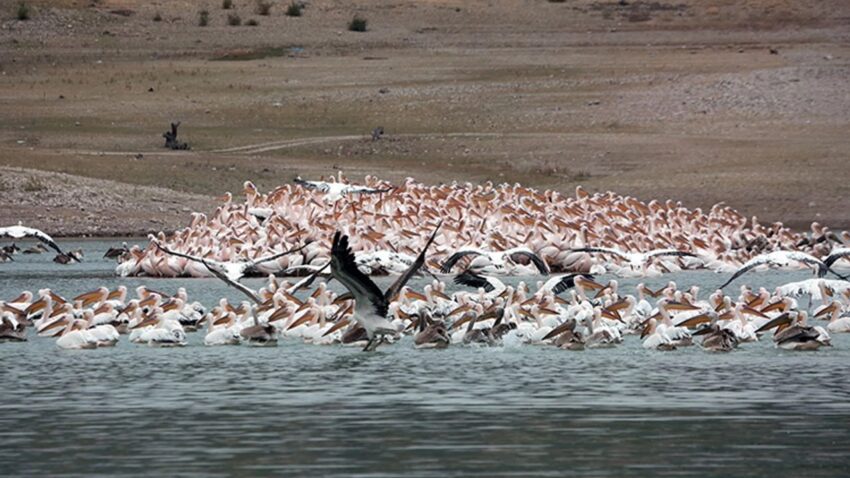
x=347, y=233
x=504, y=229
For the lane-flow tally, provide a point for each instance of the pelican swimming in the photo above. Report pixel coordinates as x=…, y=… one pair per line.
x=637, y=261
x=494, y=261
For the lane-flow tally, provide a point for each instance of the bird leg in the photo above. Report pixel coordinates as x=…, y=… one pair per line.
x=368, y=347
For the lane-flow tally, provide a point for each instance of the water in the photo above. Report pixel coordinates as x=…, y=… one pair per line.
x=333, y=411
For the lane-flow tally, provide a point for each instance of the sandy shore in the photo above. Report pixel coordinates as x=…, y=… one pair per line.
x=699, y=101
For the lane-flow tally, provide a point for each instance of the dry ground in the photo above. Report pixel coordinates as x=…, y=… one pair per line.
x=697, y=100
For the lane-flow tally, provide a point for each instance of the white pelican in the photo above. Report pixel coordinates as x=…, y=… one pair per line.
x=233, y=270
x=20, y=232
x=637, y=261
x=781, y=259
x=370, y=304
x=494, y=261
x=335, y=191
x=792, y=333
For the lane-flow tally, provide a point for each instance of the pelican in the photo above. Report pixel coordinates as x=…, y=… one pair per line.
x=835, y=255
x=782, y=259
x=792, y=333
x=11, y=328
x=563, y=282
x=431, y=334
x=495, y=261
x=335, y=191
x=20, y=232
x=370, y=305
x=233, y=270
x=636, y=261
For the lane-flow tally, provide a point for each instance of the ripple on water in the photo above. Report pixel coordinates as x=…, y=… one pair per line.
x=332, y=411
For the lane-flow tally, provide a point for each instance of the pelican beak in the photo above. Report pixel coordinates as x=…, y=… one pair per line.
x=36, y=306
x=303, y=320
x=280, y=313
x=441, y=295
x=340, y=324
x=88, y=298
x=416, y=295
x=462, y=321
x=53, y=325
x=148, y=321
x=114, y=295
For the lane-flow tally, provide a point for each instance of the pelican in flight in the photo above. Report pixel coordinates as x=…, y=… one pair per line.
x=637, y=261
x=335, y=191
x=494, y=261
x=835, y=255
x=370, y=304
x=21, y=232
x=564, y=282
x=233, y=270
x=782, y=259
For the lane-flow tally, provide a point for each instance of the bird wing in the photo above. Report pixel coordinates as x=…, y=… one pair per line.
x=750, y=265
x=344, y=269
x=606, y=250
x=471, y=279
x=19, y=232
x=669, y=252
x=562, y=283
x=307, y=281
x=413, y=269
x=835, y=255
x=272, y=257
x=311, y=184
x=232, y=283
x=447, y=265
x=365, y=190
x=534, y=258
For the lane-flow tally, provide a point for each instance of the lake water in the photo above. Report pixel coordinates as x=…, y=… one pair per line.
x=333, y=411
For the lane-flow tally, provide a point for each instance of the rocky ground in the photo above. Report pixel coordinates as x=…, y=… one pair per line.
x=697, y=100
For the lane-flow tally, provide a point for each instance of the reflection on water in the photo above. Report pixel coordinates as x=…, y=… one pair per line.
x=299, y=409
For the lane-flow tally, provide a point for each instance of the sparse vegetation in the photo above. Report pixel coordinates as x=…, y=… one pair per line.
x=203, y=18
x=227, y=4
x=252, y=23
x=157, y=17
x=263, y=8
x=295, y=9
x=33, y=184
x=234, y=20
x=23, y=12
x=357, y=24
x=557, y=1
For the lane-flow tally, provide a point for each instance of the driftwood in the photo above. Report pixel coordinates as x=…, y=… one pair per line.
x=171, y=138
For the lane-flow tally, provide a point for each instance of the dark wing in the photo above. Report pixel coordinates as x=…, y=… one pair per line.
x=470, y=279
x=447, y=265
x=251, y=294
x=605, y=250
x=344, y=269
x=534, y=258
x=413, y=269
x=366, y=190
x=752, y=264
x=274, y=256
x=307, y=184
x=308, y=281
x=836, y=255
x=567, y=282
x=670, y=252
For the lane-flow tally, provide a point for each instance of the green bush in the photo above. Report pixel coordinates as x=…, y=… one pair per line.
x=203, y=18
x=252, y=23
x=294, y=9
x=357, y=24
x=23, y=11
x=227, y=4
x=157, y=17
x=234, y=20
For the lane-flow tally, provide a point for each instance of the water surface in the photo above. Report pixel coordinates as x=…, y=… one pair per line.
x=333, y=411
